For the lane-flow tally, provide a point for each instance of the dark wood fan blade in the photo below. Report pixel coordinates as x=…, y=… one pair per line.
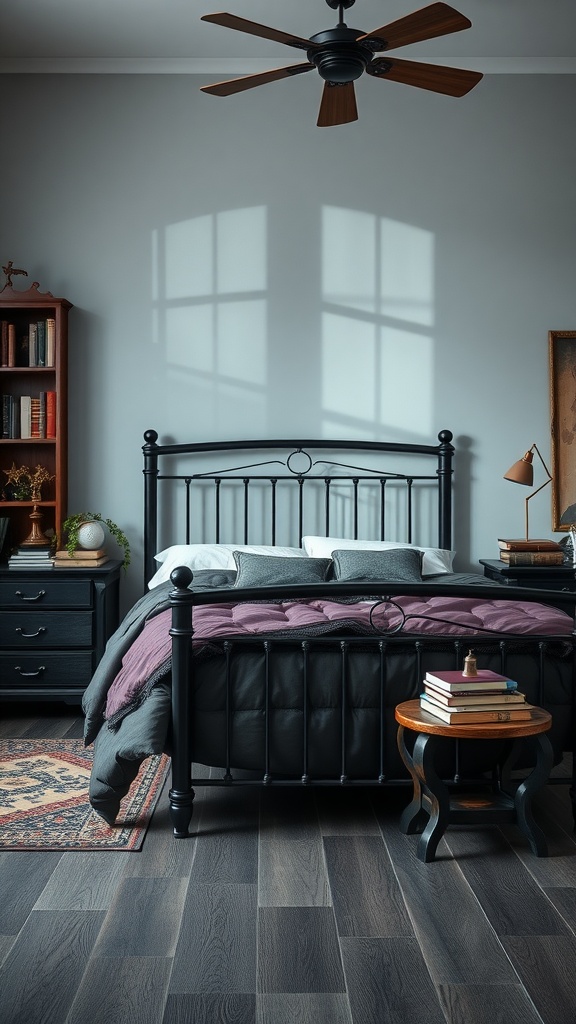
x=254, y=29
x=435, y=20
x=338, y=104
x=234, y=85
x=435, y=77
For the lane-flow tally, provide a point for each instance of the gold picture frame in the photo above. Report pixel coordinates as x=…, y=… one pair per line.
x=562, y=361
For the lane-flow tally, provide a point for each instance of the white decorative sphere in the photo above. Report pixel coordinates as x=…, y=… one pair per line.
x=91, y=536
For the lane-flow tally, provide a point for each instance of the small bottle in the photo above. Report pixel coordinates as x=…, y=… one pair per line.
x=470, y=668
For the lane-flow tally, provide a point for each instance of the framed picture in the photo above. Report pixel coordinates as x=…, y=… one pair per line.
x=562, y=358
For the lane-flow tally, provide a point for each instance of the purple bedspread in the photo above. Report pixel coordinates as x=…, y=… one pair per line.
x=444, y=615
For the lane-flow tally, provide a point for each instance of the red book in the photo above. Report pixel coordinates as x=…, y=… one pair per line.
x=50, y=414
x=457, y=682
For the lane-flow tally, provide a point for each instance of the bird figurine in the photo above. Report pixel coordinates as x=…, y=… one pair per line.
x=10, y=271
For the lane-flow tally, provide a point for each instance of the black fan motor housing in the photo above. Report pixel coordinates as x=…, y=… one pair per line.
x=338, y=56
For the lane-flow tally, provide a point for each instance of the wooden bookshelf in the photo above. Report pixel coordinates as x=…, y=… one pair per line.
x=21, y=308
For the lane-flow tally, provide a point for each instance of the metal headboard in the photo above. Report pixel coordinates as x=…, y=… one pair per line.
x=291, y=463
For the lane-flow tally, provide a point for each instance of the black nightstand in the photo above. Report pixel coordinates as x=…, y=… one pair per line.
x=54, y=625
x=539, y=577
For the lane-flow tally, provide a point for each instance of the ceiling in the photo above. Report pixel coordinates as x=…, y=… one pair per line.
x=167, y=36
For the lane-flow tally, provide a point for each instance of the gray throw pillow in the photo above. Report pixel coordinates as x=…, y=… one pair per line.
x=393, y=564
x=272, y=570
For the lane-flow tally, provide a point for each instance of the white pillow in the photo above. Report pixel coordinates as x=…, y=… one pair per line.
x=210, y=556
x=434, y=561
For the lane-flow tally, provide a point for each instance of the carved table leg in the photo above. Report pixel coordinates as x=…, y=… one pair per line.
x=437, y=796
x=414, y=816
x=526, y=790
x=429, y=810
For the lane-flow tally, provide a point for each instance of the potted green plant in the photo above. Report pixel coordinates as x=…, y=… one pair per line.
x=71, y=528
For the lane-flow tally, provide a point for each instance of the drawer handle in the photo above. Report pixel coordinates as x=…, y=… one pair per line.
x=29, y=675
x=30, y=636
x=38, y=597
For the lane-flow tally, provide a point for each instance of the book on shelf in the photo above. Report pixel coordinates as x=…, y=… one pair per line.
x=453, y=716
x=538, y=544
x=50, y=341
x=532, y=557
x=50, y=414
x=41, y=343
x=11, y=345
x=35, y=416
x=32, y=344
x=456, y=682
x=25, y=417
x=468, y=697
x=63, y=556
x=7, y=403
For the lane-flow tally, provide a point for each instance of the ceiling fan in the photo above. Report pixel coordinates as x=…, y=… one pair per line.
x=342, y=54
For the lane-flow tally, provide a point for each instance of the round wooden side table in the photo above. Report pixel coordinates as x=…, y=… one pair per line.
x=433, y=808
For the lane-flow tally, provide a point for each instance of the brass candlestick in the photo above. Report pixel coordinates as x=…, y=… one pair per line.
x=36, y=538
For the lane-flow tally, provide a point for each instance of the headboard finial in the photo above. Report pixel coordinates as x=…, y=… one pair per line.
x=150, y=436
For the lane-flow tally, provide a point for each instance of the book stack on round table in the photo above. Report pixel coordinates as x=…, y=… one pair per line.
x=457, y=698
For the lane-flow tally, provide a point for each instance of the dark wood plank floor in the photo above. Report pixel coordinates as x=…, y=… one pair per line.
x=290, y=907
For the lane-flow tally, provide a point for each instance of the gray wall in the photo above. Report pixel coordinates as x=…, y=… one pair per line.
x=237, y=271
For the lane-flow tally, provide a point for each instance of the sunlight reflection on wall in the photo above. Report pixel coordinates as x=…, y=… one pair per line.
x=377, y=320
x=212, y=313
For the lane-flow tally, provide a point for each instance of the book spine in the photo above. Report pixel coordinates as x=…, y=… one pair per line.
x=41, y=343
x=25, y=422
x=42, y=414
x=32, y=332
x=455, y=698
x=475, y=717
x=528, y=545
x=50, y=341
x=532, y=557
x=35, y=417
x=50, y=414
x=11, y=345
x=6, y=416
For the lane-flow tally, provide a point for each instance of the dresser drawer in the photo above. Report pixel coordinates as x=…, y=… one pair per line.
x=24, y=671
x=35, y=629
x=39, y=592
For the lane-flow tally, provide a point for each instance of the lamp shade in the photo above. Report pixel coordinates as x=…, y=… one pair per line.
x=522, y=472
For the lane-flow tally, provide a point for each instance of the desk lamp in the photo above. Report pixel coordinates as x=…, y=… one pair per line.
x=522, y=472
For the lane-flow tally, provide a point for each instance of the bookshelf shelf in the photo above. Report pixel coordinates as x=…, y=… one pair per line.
x=34, y=328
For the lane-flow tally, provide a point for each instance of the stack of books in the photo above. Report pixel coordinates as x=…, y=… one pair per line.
x=31, y=558
x=530, y=552
x=81, y=559
x=487, y=697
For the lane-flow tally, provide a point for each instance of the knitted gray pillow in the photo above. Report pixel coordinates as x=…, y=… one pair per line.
x=392, y=564
x=272, y=570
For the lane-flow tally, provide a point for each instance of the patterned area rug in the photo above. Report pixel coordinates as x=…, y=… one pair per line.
x=44, y=799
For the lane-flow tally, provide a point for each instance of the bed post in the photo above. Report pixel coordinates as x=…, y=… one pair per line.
x=150, y=450
x=445, y=471
x=181, y=792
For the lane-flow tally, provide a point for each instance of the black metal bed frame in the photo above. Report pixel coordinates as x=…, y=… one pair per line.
x=156, y=454
x=268, y=472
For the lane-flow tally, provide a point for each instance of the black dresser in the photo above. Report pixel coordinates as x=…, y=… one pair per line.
x=54, y=625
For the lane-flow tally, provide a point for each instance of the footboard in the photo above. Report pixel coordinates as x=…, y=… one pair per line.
x=282, y=710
